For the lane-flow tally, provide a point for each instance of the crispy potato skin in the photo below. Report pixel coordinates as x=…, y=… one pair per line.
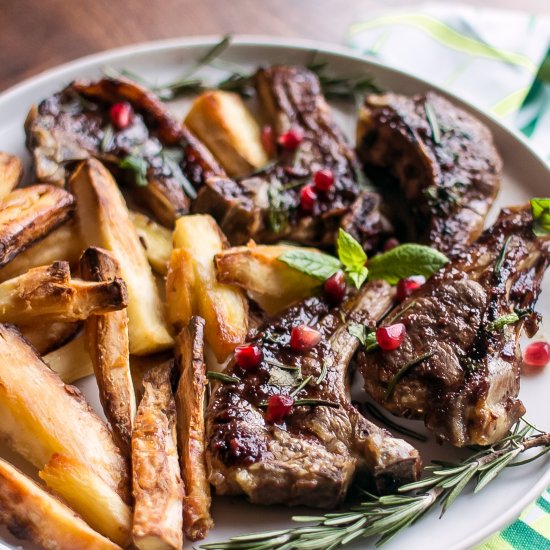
x=29, y=214
x=47, y=338
x=190, y=399
x=156, y=239
x=223, y=307
x=62, y=244
x=157, y=485
x=30, y=513
x=88, y=495
x=105, y=222
x=71, y=361
x=108, y=346
x=49, y=294
x=273, y=284
x=11, y=172
x=42, y=416
x=223, y=123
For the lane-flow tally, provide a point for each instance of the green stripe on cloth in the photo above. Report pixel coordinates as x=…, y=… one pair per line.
x=449, y=37
x=496, y=542
x=510, y=104
x=523, y=537
x=543, y=504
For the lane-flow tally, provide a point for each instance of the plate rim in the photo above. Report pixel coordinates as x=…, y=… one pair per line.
x=301, y=44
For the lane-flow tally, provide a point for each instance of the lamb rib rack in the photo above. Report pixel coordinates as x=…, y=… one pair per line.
x=311, y=456
x=466, y=386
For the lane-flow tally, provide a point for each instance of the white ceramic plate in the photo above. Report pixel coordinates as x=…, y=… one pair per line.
x=471, y=519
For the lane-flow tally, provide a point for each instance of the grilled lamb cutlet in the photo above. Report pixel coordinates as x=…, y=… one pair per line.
x=442, y=162
x=266, y=206
x=162, y=157
x=459, y=366
x=310, y=456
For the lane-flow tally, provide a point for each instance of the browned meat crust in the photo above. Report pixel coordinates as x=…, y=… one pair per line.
x=74, y=125
x=266, y=206
x=445, y=165
x=311, y=457
x=466, y=390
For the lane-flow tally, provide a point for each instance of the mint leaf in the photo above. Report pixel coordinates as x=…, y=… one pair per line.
x=361, y=332
x=353, y=258
x=541, y=216
x=316, y=264
x=405, y=261
x=350, y=252
x=138, y=166
x=358, y=277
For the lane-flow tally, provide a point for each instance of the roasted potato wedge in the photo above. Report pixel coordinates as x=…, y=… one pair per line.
x=11, y=172
x=71, y=361
x=46, y=338
x=190, y=401
x=29, y=214
x=42, y=416
x=88, y=495
x=105, y=222
x=32, y=514
x=140, y=365
x=223, y=307
x=156, y=239
x=256, y=268
x=223, y=123
x=108, y=346
x=157, y=485
x=62, y=244
x=49, y=294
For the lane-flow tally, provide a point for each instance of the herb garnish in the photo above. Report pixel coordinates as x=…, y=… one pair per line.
x=508, y=319
x=404, y=261
x=541, y=216
x=138, y=166
x=351, y=258
x=404, y=370
x=280, y=377
x=226, y=378
x=431, y=117
x=171, y=159
x=107, y=139
x=302, y=385
x=399, y=263
x=388, y=515
x=364, y=335
x=277, y=212
x=501, y=256
x=324, y=371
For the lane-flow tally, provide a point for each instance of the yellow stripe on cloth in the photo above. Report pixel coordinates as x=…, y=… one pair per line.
x=449, y=37
x=511, y=103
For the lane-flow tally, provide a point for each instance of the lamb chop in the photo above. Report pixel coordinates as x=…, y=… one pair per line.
x=93, y=119
x=459, y=365
x=309, y=452
x=443, y=165
x=270, y=205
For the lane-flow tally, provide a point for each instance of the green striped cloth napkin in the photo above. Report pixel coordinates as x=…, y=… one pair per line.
x=500, y=62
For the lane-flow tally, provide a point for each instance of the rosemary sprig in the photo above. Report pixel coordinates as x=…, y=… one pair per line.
x=221, y=377
x=501, y=256
x=386, y=516
x=431, y=117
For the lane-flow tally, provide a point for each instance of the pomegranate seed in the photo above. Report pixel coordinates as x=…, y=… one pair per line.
x=390, y=243
x=248, y=356
x=391, y=337
x=121, y=114
x=323, y=179
x=291, y=139
x=537, y=354
x=405, y=287
x=303, y=338
x=278, y=406
x=308, y=196
x=268, y=140
x=335, y=287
